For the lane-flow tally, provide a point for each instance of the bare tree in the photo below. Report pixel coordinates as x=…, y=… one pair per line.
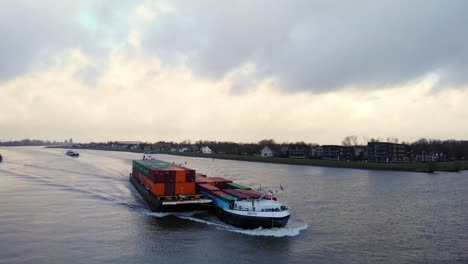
x=350, y=141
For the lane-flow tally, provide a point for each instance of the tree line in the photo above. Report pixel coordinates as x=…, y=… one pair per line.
x=28, y=142
x=451, y=149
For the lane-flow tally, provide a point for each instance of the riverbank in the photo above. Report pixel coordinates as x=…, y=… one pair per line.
x=451, y=166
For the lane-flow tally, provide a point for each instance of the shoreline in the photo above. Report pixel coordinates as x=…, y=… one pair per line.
x=448, y=166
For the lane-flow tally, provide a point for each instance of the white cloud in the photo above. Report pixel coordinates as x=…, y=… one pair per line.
x=136, y=98
x=137, y=95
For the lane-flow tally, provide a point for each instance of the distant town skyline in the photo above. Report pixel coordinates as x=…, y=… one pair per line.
x=242, y=71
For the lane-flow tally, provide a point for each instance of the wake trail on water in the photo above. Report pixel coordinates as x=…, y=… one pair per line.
x=182, y=215
x=290, y=230
x=293, y=228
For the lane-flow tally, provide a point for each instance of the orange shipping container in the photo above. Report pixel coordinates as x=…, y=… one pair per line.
x=158, y=189
x=185, y=188
x=180, y=175
x=147, y=182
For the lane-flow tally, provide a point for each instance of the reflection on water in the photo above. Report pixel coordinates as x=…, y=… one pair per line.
x=57, y=209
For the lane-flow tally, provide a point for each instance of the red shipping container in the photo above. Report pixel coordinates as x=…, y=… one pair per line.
x=157, y=174
x=251, y=193
x=236, y=193
x=219, y=181
x=169, y=176
x=190, y=178
x=207, y=187
x=219, y=193
x=163, y=175
x=205, y=180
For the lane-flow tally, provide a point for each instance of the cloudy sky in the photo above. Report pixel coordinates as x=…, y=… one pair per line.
x=240, y=71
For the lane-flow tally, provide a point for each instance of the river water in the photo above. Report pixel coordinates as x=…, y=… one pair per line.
x=58, y=209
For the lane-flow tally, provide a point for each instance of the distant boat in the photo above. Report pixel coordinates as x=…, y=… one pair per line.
x=1, y=158
x=72, y=153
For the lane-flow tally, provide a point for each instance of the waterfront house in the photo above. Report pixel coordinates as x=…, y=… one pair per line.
x=389, y=152
x=266, y=152
x=162, y=146
x=429, y=157
x=206, y=150
x=182, y=149
x=359, y=153
x=316, y=152
x=283, y=151
x=298, y=151
x=336, y=152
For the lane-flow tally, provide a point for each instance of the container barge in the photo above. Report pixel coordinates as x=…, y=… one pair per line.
x=169, y=188
x=166, y=187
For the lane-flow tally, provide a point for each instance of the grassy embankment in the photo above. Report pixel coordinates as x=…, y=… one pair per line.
x=451, y=166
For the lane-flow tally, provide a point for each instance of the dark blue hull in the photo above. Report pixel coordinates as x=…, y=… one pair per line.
x=250, y=222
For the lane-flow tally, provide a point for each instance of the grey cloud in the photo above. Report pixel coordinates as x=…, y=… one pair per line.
x=315, y=45
x=27, y=30
x=31, y=28
x=320, y=45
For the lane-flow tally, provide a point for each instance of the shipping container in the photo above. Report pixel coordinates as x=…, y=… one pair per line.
x=158, y=189
x=158, y=175
x=185, y=188
x=144, y=166
x=233, y=185
x=236, y=193
x=179, y=174
x=190, y=175
x=224, y=196
x=220, y=182
x=251, y=193
x=205, y=180
x=169, y=189
x=207, y=187
x=169, y=176
x=161, y=175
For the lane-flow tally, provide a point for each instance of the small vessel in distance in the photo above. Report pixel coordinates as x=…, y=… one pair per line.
x=72, y=153
x=1, y=158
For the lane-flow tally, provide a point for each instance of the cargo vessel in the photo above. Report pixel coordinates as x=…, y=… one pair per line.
x=166, y=187
x=241, y=206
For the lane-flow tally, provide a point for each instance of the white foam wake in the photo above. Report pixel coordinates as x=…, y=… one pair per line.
x=291, y=229
x=178, y=214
